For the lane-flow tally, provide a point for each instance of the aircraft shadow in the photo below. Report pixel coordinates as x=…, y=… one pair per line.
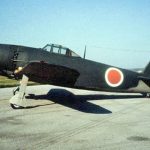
x=107, y=97
x=80, y=102
x=68, y=99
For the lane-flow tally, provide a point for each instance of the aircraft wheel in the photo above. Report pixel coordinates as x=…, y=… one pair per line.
x=14, y=106
x=148, y=95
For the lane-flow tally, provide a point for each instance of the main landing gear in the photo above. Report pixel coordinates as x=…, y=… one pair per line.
x=18, y=101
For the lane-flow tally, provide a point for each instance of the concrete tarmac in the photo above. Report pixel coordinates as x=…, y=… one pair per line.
x=70, y=119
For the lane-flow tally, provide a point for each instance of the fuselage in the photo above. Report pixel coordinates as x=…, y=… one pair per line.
x=93, y=75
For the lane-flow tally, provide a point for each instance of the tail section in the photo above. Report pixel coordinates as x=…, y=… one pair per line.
x=147, y=70
x=146, y=75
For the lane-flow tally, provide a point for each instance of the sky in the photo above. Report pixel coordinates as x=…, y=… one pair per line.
x=115, y=32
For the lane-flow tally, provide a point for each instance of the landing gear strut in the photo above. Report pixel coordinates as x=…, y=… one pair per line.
x=18, y=101
x=16, y=90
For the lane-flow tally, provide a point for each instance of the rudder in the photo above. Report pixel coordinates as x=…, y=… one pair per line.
x=147, y=70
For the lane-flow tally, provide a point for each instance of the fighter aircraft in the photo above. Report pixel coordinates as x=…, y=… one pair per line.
x=59, y=65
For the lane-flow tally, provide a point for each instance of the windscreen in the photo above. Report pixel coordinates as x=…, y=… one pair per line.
x=53, y=48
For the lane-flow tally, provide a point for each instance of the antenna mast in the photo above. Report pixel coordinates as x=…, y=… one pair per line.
x=84, y=52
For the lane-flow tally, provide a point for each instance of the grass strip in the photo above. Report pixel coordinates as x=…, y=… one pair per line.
x=6, y=82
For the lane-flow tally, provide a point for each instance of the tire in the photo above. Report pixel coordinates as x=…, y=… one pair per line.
x=14, y=106
x=147, y=95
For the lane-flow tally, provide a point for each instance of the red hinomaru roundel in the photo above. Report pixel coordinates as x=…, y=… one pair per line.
x=114, y=77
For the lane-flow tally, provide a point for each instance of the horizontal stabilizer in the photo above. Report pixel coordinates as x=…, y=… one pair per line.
x=145, y=79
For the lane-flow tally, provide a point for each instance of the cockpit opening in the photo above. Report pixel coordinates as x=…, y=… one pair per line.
x=59, y=49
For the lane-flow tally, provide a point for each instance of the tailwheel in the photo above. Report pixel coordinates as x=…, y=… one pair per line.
x=146, y=95
x=14, y=106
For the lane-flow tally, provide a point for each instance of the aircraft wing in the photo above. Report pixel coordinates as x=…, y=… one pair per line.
x=42, y=72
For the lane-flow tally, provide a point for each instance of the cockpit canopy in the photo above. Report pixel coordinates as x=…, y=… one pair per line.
x=54, y=48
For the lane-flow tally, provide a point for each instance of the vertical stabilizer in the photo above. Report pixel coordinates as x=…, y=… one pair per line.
x=147, y=70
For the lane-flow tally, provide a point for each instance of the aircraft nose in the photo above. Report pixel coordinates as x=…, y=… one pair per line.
x=4, y=56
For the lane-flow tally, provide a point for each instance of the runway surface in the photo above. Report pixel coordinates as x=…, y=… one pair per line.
x=71, y=119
